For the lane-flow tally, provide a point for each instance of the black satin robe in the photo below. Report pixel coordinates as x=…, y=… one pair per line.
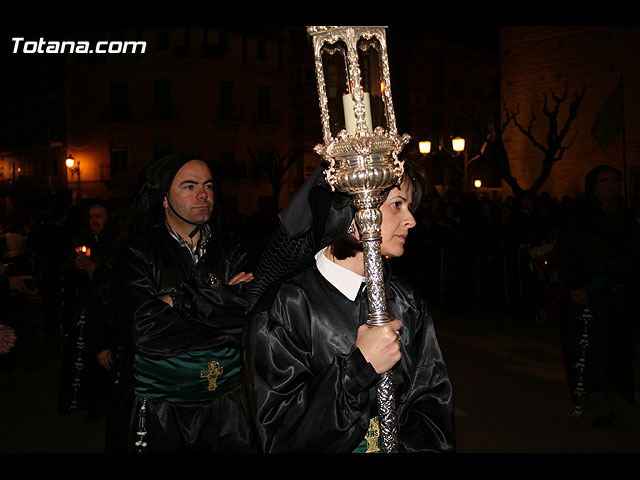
x=311, y=390
x=203, y=317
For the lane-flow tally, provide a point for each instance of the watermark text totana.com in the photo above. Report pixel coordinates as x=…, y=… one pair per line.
x=20, y=45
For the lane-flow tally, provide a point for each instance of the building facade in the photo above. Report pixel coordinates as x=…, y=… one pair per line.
x=219, y=94
x=228, y=94
x=538, y=60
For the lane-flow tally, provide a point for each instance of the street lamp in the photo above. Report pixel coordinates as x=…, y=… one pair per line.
x=70, y=162
x=424, y=146
x=74, y=168
x=445, y=152
x=458, y=144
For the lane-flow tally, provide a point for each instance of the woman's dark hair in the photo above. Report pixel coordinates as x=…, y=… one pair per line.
x=348, y=245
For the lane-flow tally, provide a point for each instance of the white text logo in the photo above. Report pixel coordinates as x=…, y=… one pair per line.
x=68, y=46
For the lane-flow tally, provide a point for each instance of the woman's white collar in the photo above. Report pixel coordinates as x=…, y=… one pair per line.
x=346, y=281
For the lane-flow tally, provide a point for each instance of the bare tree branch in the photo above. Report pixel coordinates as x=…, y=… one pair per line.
x=554, y=146
x=275, y=166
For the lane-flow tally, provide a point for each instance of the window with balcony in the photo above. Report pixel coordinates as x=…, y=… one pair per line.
x=162, y=146
x=118, y=101
x=118, y=167
x=261, y=50
x=264, y=104
x=162, y=99
x=162, y=40
x=226, y=100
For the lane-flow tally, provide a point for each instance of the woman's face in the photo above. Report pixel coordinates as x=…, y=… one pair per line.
x=396, y=220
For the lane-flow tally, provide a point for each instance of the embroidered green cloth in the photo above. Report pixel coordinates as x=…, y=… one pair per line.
x=191, y=377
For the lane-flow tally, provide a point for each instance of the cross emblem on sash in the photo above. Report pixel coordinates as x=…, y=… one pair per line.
x=215, y=369
x=372, y=436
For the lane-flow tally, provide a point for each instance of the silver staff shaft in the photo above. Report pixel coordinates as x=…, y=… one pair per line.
x=369, y=218
x=361, y=162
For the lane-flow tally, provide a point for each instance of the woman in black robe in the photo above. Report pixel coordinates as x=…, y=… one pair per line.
x=311, y=364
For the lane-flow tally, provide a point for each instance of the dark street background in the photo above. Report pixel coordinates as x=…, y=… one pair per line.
x=509, y=384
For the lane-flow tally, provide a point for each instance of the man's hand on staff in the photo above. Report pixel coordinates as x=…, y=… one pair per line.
x=379, y=345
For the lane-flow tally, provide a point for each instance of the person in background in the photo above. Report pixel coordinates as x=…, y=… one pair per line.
x=7, y=338
x=107, y=343
x=84, y=382
x=14, y=247
x=52, y=245
x=598, y=262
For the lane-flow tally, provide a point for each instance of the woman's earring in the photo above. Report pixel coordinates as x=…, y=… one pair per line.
x=351, y=230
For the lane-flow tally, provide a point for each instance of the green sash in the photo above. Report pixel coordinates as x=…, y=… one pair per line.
x=191, y=377
x=371, y=441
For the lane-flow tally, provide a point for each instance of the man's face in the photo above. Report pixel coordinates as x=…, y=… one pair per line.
x=97, y=218
x=191, y=193
x=607, y=187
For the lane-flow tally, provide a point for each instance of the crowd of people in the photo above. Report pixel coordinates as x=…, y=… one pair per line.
x=470, y=252
x=58, y=259
x=537, y=258
x=178, y=326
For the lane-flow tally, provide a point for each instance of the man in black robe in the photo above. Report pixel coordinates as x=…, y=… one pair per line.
x=179, y=284
x=598, y=259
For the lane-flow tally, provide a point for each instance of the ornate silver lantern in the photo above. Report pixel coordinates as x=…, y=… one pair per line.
x=361, y=149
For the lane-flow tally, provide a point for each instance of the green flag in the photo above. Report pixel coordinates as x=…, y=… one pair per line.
x=610, y=120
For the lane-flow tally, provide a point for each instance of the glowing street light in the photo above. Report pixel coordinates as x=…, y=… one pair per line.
x=70, y=161
x=458, y=144
x=74, y=168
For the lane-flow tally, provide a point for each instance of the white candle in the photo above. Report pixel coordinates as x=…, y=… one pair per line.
x=350, y=116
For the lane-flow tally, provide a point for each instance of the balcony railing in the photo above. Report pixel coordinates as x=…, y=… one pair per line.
x=30, y=184
x=107, y=172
